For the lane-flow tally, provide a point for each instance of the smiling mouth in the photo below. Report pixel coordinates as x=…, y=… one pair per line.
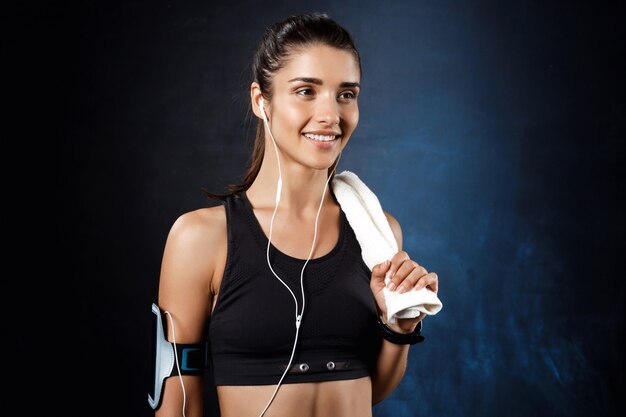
x=322, y=138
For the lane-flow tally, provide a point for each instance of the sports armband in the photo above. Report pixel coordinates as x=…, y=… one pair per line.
x=167, y=358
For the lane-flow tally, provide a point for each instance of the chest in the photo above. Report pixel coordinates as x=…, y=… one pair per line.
x=255, y=311
x=296, y=237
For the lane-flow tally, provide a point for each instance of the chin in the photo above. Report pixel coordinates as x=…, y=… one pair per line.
x=322, y=163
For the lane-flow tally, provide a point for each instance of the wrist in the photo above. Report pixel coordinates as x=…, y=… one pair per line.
x=404, y=326
x=399, y=336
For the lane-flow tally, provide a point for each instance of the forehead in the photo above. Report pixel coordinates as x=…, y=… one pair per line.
x=331, y=65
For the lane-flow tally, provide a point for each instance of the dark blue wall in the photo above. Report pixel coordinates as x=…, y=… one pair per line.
x=493, y=131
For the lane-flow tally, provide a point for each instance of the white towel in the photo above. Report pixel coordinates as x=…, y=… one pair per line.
x=378, y=244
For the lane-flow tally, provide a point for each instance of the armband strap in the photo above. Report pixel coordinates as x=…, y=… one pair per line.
x=192, y=358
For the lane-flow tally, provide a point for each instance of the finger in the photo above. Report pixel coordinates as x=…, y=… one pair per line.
x=379, y=271
x=409, y=325
x=396, y=262
x=409, y=282
x=407, y=268
x=430, y=280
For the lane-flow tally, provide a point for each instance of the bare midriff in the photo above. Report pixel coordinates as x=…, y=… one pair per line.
x=347, y=398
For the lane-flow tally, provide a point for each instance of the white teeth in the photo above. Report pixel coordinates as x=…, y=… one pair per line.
x=320, y=137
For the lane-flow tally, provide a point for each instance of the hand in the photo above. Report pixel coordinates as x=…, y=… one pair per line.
x=406, y=275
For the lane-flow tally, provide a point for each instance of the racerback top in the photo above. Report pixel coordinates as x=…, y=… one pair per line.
x=252, y=327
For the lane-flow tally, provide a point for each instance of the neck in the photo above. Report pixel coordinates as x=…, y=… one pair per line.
x=302, y=187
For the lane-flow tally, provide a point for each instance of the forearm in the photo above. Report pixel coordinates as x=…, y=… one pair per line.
x=390, y=369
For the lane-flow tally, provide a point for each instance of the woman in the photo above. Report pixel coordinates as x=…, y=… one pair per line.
x=274, y=274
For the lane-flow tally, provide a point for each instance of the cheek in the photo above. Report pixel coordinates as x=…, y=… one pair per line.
x=351, y=118
x=294, y=116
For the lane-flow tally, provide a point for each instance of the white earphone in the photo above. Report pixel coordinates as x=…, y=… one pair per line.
x=279, y=186
x=262, y=105
x=299, y=312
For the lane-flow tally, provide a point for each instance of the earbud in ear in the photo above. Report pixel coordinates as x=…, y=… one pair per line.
x=262, y=105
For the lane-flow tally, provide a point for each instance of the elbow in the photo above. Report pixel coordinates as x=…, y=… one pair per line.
x=377, y=400
x=381, y=389
x=378, y=396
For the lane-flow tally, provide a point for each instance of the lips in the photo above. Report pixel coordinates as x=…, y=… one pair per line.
x=322, y=144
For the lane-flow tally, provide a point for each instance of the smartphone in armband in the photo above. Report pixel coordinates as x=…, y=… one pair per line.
x=170, y=359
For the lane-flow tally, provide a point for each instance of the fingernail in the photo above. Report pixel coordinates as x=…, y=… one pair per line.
x=391, y=286
x=401, y=289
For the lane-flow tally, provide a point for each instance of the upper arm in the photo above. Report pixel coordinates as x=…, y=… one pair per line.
x=187, y=269
x=395, y=228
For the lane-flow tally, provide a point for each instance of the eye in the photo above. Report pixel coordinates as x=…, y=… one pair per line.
x=347, y=95
x=305, y=92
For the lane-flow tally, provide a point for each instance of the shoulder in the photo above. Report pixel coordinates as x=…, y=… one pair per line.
x=395, y=228
x=192, y=238
x=201, y=226
x=193, y=251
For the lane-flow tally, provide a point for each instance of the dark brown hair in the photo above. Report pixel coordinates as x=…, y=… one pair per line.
x=279, y=41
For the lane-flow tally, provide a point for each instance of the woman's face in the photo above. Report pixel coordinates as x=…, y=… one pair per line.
x=314, y=107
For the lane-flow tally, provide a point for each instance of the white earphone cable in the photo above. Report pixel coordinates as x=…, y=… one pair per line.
x=299, y=313
x=176, y=357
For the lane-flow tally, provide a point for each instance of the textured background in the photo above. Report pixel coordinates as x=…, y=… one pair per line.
x=493, y=131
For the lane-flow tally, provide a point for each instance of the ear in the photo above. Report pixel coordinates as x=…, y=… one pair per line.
x=255, y=99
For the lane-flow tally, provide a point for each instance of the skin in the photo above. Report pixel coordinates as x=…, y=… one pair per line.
x=190, y=279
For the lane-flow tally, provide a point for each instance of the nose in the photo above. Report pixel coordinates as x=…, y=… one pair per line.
x=327, y=111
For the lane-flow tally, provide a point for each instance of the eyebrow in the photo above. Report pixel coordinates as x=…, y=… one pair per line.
x=320, y=82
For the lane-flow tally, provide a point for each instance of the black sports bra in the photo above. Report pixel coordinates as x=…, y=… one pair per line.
x=252, y=328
